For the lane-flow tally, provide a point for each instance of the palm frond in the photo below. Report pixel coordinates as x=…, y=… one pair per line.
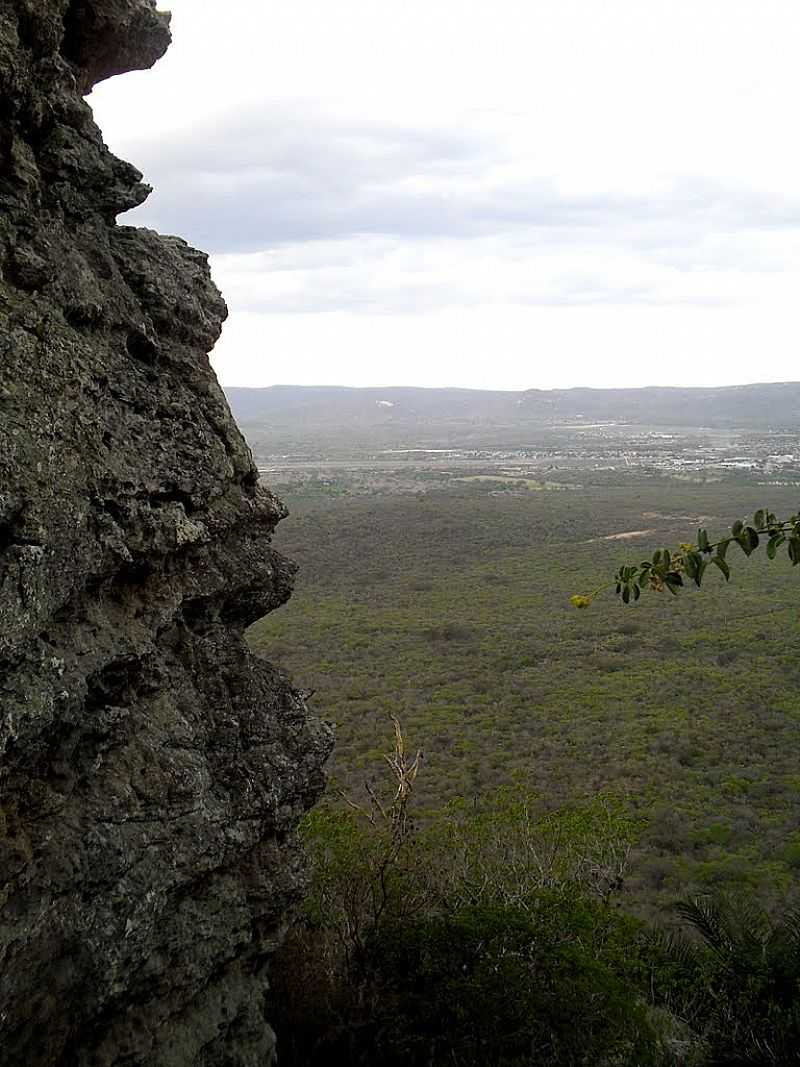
x=788, y=929
x=703, y=914
x=675, y=948
x=737, y=931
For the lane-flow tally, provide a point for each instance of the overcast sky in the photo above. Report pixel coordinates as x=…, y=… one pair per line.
x=481, y=193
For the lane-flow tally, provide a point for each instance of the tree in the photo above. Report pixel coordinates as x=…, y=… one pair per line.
x=739, y=980
x=482, y=936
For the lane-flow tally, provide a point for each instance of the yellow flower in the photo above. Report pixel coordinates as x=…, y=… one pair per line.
x=579, y=601
x=688, y=548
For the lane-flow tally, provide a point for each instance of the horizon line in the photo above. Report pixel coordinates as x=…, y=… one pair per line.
x=528, y=389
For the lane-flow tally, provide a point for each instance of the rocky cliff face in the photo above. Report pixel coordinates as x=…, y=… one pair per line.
x=151, y=770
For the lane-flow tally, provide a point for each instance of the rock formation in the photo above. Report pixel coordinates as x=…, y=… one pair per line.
x=151, y=770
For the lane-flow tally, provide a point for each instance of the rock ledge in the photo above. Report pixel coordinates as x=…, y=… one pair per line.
x=152, y=771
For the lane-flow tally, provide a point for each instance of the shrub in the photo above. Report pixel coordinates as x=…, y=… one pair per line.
x=738, y=981
x=508, y=985
x=485, y=938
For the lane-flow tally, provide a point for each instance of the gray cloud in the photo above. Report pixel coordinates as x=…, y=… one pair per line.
x=280, y=176
x=275, y=177
x=312, y=212
x=377, y=275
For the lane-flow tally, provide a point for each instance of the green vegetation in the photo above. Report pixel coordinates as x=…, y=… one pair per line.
x=490, y=935
x=484, y=938
x=666, y=570
x=741, y=984
x=449, y=606
x=582, y=771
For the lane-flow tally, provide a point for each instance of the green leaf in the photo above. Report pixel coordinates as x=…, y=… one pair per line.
x=700, y=568
x=673, y=581
x=744, y=541
x=772, y=547
x=691, y=560
x=723, y=566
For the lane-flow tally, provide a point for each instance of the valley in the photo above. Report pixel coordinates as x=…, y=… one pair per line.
x=435, y=585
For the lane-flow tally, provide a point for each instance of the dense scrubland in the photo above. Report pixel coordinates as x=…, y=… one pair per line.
x=451, y=610
x=600, y=854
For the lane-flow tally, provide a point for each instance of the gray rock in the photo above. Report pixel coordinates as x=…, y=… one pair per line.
x=152, y=771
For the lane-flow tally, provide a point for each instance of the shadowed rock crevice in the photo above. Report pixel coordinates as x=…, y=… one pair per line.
x=152, y=771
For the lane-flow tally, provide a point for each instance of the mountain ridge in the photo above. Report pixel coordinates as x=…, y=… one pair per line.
x=375, y=415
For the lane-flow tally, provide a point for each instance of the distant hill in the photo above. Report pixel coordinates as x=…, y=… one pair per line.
x=287, y=416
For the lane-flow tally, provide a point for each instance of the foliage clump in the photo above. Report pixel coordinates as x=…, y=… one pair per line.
x=486, y=936
x=491, y=935
x=667, y=569
x=737, y=981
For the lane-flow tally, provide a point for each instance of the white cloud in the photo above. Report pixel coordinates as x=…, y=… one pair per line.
x=397, y=193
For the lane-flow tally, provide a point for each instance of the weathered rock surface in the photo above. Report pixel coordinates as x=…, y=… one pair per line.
x=151, y=770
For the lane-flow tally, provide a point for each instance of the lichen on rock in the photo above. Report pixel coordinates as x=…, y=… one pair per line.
x=152, y=771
